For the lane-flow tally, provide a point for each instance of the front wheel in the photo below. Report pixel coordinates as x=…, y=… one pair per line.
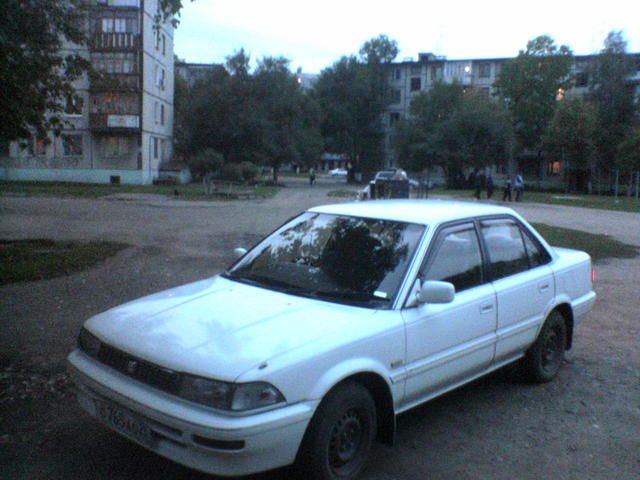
x=544, y=358
x=340, y=435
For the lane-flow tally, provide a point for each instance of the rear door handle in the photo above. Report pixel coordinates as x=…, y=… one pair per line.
x=486, y=308
x=543, y=287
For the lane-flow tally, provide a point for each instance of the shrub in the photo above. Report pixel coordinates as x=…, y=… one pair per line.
x=249, y=171
x=231, y=172
x=204, y=162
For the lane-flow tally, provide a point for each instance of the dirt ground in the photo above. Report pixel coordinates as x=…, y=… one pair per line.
x=584, y=424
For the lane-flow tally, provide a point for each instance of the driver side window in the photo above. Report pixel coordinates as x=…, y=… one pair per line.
x=457, y=258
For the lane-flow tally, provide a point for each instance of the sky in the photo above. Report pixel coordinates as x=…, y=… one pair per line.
x=314, y=35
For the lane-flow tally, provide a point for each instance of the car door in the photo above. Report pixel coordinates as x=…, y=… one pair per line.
x=448, y=343
x=523, y=282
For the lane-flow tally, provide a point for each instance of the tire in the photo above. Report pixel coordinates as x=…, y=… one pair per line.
x=340, y=436
x=544, y=358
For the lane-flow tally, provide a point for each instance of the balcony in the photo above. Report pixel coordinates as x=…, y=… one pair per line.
x=115, y=41
x=117, y=82
x=108, y=122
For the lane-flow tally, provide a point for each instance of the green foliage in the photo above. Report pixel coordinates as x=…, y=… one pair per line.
x=453, y=129
x=613, y=96
x=529, y=85
x=33, y=90
x=570, y=136
x=41, y=259
x=231, y=171
x=262, y=117
x=249, y=171
x=628, y=152
x=353, y=95
x=204, y=162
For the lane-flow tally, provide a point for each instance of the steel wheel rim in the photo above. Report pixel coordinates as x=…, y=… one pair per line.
x=346, y=440
x=551, y=349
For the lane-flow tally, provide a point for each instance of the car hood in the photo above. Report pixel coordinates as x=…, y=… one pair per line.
x=219, y=328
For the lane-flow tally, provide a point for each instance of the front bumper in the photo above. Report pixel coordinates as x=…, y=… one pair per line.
x=192, y=435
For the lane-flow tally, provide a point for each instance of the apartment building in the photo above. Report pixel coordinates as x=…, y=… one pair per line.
x=121, y=129
x=409, y=78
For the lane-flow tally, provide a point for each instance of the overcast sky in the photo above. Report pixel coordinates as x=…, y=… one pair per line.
x=313, y=35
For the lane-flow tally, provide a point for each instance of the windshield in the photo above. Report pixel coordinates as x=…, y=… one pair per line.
x=341, y=259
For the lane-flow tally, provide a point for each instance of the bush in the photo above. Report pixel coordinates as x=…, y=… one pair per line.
x=249, y=171
x=231, y=172
x=204, y=162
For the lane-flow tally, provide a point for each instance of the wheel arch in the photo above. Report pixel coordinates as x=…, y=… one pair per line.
x=567, y=313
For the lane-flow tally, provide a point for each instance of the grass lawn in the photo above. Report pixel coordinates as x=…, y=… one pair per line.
x=193, y=191
x=40, y=259
x=598, y=246
x=601, y=202
x=343, y=193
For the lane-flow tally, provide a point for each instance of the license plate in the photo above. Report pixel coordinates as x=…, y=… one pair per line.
x=124, y=422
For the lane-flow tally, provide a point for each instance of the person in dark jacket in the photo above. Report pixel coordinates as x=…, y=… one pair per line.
x=506, y=189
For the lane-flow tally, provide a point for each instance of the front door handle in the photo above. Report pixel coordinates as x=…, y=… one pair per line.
x=543, y=287
x=486, y=308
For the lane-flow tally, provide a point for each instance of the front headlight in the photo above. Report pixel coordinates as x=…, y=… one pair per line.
x=229, y=396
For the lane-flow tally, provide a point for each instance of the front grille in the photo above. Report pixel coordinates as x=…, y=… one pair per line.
x=141, y=370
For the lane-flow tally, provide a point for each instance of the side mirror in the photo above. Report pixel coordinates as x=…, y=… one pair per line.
x=239, y=252
x=433, y=291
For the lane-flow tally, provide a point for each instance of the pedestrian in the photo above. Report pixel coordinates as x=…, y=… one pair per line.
x=312, y=176
x=506, y=189
x=489, y=187
x=519, y=186
x=477, y=181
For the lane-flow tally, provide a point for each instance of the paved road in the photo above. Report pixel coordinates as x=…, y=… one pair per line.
x=585, y=424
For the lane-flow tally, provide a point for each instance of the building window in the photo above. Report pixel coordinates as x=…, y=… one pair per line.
x=582, y=79
x=116, y=146
x=397, y=74
x=484, y=70
x=394, y=117
x=71, y=145
x=416, y=69
x=116, y=103
x=436, y=73
x=158, y=39
x=160, y=77
x=416, y=84
x=554, y=168
x=155, y=113
x=396, y=96
x=164, y=44
x=73, y=105
x=114, y=62
x=161, y=114
x=155, y=147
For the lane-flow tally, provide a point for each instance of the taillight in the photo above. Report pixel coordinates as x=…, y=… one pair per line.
x=593, y=275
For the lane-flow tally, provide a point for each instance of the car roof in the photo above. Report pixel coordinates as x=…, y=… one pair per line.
x=427, y=212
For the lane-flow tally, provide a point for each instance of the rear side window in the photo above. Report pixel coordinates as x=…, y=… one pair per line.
x=457, y=259
x=507, y=252
x=537, y=255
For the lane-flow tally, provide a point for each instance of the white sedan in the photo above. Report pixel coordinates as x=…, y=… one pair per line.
x=309, y=345
x=338, y=172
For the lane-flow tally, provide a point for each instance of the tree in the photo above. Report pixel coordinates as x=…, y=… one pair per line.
x=570, y=138
x=613, y=96
x=628, y=155
x=453, y=129
x=529, y=86
x=287, y=134
x=353, y=97
x=36, y=74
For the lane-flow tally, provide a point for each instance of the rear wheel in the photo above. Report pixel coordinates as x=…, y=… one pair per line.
x=544, y=358
x=340, y=435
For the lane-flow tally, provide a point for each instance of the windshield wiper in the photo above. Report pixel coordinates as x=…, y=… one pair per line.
x=262, y=281
x=349, y=295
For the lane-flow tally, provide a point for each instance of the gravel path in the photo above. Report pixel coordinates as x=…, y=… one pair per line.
x=585, y=424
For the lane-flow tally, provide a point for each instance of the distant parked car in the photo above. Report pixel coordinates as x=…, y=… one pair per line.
x=338, y=172
x=309, y=345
